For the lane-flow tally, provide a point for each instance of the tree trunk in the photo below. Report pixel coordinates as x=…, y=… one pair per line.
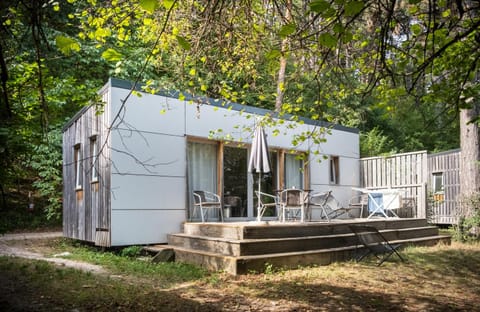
x=470, y=158
x=283, y=61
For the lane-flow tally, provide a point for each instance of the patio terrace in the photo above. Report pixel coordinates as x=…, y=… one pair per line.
x=243, y=247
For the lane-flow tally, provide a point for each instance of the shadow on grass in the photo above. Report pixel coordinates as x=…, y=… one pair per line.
x=432, y=279
x=27, y=285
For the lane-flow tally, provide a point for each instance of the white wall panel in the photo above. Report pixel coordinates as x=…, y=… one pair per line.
x=319, y=171
x=144, y=227
x=136, y=152
x=150, y=113
x=342, y=143
x=148, y=192
x=200, y=121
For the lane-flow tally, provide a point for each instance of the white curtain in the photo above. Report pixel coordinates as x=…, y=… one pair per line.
x=202, y=168
x=293, y=172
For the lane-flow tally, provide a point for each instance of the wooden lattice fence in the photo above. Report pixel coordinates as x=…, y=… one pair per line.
x=407, y=172
x=429, y=183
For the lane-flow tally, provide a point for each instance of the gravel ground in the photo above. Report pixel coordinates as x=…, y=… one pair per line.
x=12, y=245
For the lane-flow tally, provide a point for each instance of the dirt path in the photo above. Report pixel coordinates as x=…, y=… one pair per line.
x=11, y=246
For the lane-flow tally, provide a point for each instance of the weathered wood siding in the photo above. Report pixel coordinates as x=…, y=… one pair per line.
x=86, y=210
x=442, y=207
x=407, y=172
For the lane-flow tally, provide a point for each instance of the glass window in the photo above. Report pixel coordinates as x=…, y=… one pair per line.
x=334, y=170
x=437, y=178
x=78, y=167
x=293, y=171
x=94, y=158
x=202, y=169
x=235, y=180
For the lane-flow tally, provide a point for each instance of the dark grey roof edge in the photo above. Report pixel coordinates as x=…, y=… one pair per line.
x=84, y=109
x=75, y=117
x=129, y=85
x=456, y=150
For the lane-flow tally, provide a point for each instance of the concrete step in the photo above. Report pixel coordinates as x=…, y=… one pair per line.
x=286, y=260
x=237, y=248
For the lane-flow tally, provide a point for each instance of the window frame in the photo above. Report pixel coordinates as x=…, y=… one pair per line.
x=436, y=175
x=94, y=158
x=77, y=153
x=334, y=170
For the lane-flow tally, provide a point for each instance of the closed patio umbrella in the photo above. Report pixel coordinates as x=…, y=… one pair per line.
x=259, y=158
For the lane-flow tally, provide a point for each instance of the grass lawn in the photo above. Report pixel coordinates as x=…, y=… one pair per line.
x=440, y=278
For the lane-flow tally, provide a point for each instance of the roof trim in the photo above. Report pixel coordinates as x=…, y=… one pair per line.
x=452, y=151
x=129, y=85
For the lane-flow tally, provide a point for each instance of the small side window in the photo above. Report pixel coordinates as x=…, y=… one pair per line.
x=437, y=186
x=78, y=166
x=437, y=179
x=94, y=158
x=334, y=170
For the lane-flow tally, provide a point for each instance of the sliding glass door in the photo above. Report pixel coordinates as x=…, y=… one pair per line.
x=268, y=184
x=237, y=185
x=235, y=181
x=293, y=172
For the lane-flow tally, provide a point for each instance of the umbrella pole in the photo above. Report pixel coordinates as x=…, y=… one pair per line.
x=259, y=195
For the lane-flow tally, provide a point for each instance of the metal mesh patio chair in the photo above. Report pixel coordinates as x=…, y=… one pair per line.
x=266, y=201
x=319, y=201
x=293, y=202
x=359, y=202
x=206, y=201
x=330, y=206
x=374, y=243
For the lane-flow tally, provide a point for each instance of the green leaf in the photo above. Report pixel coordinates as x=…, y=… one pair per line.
x=287, y=30
x=273, y=54
x=167, y=4
x=67, y=45
x=414, y=1
x=149, y=5
x=319, y=6
x=354, y=7
x=338, y=28
x=416, y=29
x=183, y=43
x=327, y=40
x=111, y=55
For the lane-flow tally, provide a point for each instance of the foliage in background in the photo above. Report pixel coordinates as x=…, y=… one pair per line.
x=46, y=161
x=46, y=76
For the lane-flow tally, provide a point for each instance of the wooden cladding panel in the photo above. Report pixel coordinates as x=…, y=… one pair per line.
x=443, y=210
x=87, y=209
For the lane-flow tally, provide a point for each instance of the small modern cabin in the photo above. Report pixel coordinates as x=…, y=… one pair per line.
x=131, y=164
x=444, y=186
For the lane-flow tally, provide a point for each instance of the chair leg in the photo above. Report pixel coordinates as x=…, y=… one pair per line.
x=202, y=214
